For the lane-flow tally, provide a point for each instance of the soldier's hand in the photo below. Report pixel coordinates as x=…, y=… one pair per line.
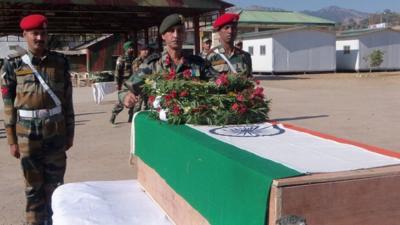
x=70, y=143
x=14, y=151
x=130, y=100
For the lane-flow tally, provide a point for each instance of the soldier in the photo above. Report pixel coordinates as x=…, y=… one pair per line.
x=206, y=46
x=144, y=52
x=38, y=116
x=226, y=57
x=123, y=71
x=239, y=45
x=172, y=61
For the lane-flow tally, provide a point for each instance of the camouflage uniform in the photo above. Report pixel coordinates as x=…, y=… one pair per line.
x=41, y=139
x=122, y=72
x=163, y=64
x=142, y=104
x=239, y=59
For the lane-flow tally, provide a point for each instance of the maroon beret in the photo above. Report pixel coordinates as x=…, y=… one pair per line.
x=227, y=18
x=34, y=21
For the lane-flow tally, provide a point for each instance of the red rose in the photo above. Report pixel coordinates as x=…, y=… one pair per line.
x=173, y=94
x=176, y=110
x=171, y=75
x=222, y=80
x=235, y=106
x=184, y=93
x=187, y=74
x=242, y=109
x=240, y=98
x=151, y=99
x=258, y=92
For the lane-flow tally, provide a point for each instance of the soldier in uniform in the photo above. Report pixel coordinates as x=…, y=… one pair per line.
x=123, y=71
x=38, y=116
x=206, y=46
x=226, y=58
x=144, y=52
x=172, y=61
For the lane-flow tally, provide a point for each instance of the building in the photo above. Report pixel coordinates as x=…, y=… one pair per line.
x=300, y=49
x=257, y=21
x=354, y=47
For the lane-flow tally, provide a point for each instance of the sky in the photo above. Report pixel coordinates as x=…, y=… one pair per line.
x=371, y=6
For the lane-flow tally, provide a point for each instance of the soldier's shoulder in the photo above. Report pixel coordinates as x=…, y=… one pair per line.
x=152, y=58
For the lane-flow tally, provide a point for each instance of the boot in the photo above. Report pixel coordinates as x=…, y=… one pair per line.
x=130, y=118
x=112, y=119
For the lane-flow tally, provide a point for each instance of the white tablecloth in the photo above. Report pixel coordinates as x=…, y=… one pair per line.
x=105, y=203
x=100, y=90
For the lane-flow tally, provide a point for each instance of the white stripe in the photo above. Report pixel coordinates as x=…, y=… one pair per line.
x=304, y=152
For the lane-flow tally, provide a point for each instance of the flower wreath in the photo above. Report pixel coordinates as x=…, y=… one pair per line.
x=228, y=99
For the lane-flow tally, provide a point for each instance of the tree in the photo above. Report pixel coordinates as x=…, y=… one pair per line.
x=375, y=59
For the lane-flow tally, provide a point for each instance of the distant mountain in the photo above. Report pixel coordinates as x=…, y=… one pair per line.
x=256, y=8
x=338, y=14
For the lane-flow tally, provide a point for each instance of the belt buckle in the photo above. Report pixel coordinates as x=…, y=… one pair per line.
x=42, y=113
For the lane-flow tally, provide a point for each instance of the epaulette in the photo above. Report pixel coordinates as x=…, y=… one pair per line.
x=151, y=58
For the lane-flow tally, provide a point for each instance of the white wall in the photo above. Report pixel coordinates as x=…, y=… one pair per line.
x=5, y=44
x=348, y=61
x=386, y=41
x=261, y=63
x=304, y=51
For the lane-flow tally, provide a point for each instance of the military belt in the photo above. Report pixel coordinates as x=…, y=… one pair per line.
x=39, y=113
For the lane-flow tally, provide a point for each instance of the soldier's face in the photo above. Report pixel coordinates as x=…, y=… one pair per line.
x=130, y=51
x=228, y=33
x=207, y=45
x=174, y=37
x=144, y=53
x=36, y=39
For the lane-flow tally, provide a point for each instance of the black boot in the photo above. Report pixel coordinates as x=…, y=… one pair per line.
x=112, y=119
x=130, y=118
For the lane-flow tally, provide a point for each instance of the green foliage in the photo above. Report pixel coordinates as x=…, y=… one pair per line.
x=229, y=99
x=375, y=59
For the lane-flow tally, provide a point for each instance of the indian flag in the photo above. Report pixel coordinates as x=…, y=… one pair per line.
x=225, y=173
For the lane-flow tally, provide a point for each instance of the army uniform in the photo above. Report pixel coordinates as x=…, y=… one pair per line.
x=123, y=71
x=239, y=59
x=40, y=128
x=162, y=64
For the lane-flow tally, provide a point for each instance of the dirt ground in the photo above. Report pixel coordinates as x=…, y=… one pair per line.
x=359, y=107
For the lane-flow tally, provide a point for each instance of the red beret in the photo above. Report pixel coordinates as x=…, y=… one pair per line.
x=35, y=21
x=225, y=19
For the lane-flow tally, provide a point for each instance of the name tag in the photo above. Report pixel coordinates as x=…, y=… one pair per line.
x=23, y=72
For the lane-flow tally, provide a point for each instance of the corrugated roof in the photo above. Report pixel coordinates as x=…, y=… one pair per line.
x=359, y=32
x=277, y=31
x=262, y=17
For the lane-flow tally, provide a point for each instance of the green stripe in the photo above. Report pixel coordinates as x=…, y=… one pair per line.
x=225, y=184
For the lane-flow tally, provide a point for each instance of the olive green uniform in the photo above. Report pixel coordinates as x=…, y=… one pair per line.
x=240, y=60
x=42, y=136
x=123, y=71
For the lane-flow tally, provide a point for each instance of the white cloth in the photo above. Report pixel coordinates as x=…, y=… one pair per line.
x=300, y=151
x=105, y=203
x=100, y=90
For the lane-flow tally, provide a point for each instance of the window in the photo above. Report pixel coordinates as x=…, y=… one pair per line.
x=262, y=50
x=251, y=50
x=346, y=49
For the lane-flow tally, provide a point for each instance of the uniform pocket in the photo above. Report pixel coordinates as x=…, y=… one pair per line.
x=29, y=136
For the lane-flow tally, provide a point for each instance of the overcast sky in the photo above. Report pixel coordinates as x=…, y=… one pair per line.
x=299, y=5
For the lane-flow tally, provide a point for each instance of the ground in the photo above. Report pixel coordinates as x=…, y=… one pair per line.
x=360, y=107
